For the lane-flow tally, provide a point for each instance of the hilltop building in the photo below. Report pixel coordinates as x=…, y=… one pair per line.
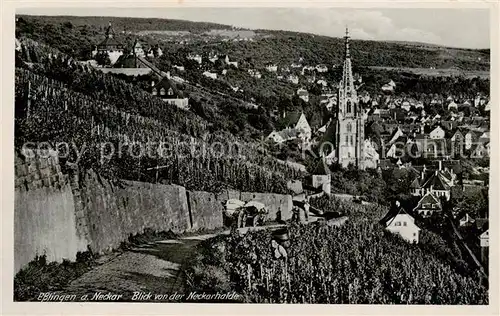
x=110, y=45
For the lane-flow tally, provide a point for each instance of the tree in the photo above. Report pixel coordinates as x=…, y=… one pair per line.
x=102, y=58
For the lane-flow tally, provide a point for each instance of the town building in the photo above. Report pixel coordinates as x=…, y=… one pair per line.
x=210, y=75
x=303, y=94
x=271, y=68
x=398, y=221
x=169, y=93
x=293, y=79
x=321, y=68
x=109, y=46
x=154, y=52
x=297, y=127
x=428, y=205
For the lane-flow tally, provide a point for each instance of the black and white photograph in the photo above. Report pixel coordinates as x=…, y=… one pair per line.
x=252, y=155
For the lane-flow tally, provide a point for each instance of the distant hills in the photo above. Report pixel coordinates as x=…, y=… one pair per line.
x=76, y=35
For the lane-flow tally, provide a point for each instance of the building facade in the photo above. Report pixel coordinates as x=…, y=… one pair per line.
x=350, y=125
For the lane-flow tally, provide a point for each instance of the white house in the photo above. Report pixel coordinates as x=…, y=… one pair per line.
x=180, y=68
x=277, y=137
x=389, y=86
x=428, y=205
x=137, y=49
x=303, y=94
x=370, y=154
x=406, y=106
x=210, y=75
x=196, y=58
x=254, y=73
x=323, y=181
x=230, y=63
x=322, y=82
x=271, y=68
x=487, y=107
x=304, y=128
x=293, y=79
x=437, y=133
x=452, y=105
x=321, y=68
x=484, y=239
x=398, y=221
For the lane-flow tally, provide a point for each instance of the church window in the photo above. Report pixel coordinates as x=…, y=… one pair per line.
x=154, y=91
x=170, y=91
x=349, y=127
x=352, y=140
x=348, y=106
x=347, y=139
x=162, y=91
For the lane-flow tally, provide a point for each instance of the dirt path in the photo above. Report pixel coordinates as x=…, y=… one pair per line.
x=154, y=267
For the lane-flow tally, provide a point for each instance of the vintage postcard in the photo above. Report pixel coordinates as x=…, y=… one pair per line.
x=222, y=158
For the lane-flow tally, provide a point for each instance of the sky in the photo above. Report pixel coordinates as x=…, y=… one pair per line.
x=457, y=27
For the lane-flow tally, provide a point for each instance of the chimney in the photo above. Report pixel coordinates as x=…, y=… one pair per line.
x=436, y=172
x=440, y=165
x=152, y=83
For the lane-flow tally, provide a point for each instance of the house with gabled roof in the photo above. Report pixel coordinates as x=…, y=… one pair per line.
x=416, y=187
x=303, y=94
x=154, y=52
x=437, y=185
x=168, y=92
x=109, y=45
x=484, y=239
x=285, y=135
x=479, y=150
x=466, y=220
x=398, y=221
x=437, y=133
x=428, y=205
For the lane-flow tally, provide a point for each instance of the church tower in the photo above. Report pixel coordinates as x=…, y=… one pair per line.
x=350, y=124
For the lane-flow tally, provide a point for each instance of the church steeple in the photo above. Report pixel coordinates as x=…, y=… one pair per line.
x=347, y=83
x=347, y=53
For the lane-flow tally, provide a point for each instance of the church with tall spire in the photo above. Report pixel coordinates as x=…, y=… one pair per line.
x=347, y=129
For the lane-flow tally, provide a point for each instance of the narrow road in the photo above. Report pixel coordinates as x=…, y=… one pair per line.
x=154, y=267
